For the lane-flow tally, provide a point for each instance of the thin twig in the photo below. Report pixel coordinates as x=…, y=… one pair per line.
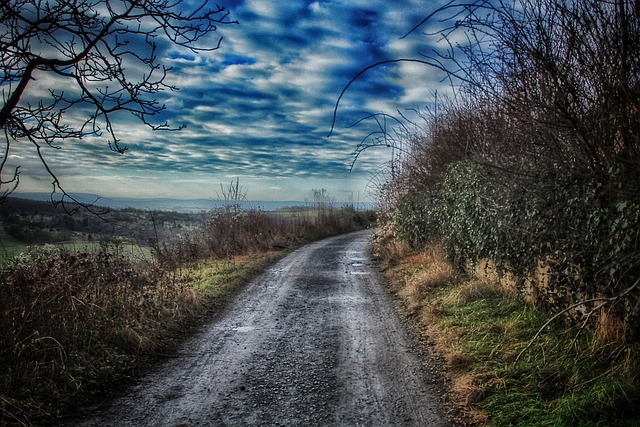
x=605, y=300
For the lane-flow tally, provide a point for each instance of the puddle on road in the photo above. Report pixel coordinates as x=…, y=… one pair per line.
x=353, y=254
x=359, y=273
x=356, y=264
x=243, y=328
x=351, y=299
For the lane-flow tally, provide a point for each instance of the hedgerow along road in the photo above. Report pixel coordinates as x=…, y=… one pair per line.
x=315, y=340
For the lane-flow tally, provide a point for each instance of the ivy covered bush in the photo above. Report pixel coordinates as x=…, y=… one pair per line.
x=534, y=162
x=585, y=232
x=413, y=218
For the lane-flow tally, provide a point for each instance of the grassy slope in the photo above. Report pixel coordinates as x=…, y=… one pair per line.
x=9, y=247
x=480, y=329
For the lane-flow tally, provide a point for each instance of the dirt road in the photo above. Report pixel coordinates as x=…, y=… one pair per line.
x=313, y=341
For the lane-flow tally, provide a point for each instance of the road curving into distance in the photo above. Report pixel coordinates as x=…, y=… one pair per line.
x=314, y=341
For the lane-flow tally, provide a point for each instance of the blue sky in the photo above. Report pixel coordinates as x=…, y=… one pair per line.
x=260, y=107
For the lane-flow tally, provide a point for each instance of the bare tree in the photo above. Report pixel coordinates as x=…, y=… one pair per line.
x=566, y=68
x=548, y=113
x=106, y=55
x=233, y=195
x=320, y=201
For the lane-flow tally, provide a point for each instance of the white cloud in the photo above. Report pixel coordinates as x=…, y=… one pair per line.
x=261, y=106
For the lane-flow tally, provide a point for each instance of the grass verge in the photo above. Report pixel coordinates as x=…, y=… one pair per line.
x=79, y=324
x=479, y=329
x=216, y=282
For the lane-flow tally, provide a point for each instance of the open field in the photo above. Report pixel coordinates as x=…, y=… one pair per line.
x=26, y=224
x=9, y=250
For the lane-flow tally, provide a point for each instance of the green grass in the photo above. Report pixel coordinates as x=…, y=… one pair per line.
x=217, y=281
x=555, y=383
x=9, y=249
x=480, y=329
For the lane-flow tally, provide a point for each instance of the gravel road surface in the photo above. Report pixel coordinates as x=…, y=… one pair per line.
x=314, y=341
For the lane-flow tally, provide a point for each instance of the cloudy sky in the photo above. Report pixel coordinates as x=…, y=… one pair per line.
x=260, y=108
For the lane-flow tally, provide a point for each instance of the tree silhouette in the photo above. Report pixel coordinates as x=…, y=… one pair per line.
x=105, y=57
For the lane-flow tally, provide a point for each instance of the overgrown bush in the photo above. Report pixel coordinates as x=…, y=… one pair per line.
x=69, y=318
x=414, y=217
x=583, y=235
x=229, y=231
x=535, y=163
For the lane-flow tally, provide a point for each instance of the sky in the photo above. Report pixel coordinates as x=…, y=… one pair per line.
x=259, y=109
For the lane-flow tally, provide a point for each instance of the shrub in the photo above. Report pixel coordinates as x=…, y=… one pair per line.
x=536, y=163
x=70, y=319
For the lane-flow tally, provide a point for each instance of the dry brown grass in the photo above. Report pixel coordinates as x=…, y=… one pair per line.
x=421, y=281
x=388, y=249
x=473, y=290
x=468, y=391
x=609, y=330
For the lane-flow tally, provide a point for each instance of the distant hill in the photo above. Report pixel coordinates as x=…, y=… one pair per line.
x=39, y=221
x=177, y=205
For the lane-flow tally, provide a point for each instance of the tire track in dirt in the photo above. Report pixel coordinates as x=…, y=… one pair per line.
x=315, y=340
